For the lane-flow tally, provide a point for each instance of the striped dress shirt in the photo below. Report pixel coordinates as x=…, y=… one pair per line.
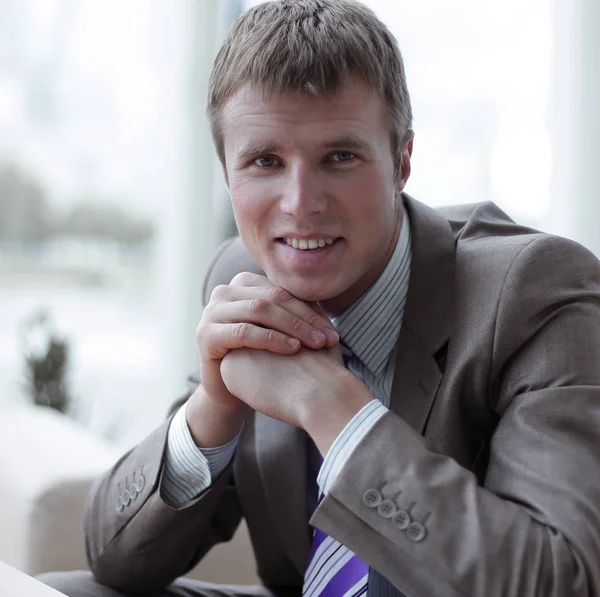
x=368, y=330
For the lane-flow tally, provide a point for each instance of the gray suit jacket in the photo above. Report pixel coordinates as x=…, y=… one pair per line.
x=493, y=438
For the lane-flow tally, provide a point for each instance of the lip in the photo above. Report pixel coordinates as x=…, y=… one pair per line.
x=307, y=236
x=307, y=260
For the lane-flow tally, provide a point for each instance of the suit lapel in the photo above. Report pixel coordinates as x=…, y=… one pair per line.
x=282, y=459
x=428, y=316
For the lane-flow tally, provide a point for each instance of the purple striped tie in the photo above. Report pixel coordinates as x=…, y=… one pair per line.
x=333, y=570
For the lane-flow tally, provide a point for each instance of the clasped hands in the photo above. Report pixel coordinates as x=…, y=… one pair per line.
x=263, y=349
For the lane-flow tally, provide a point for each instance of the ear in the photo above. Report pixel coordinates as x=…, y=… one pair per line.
x=404, y=173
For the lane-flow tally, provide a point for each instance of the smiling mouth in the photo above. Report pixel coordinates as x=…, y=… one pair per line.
x=308, y=244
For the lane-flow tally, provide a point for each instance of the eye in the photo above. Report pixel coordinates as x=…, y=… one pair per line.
x=342, y=156
x=266, y=161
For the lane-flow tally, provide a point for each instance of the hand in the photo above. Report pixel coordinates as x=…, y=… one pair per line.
x=281, y=386
x=310, y=389
x=250, y=312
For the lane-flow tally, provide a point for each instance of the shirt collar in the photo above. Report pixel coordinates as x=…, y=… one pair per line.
x=370, y=327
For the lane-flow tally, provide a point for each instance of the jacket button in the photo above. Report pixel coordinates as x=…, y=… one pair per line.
x=372, y=498
x=386, y=509
x=139, y=484
x=401, y=520
x=416, y=532
x=126, y=497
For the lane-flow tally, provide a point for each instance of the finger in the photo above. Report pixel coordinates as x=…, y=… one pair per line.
x=264, y=313
x=279, y=297
x=219, y=339
x=332, y=340
x=250, y=279
x=304, y=311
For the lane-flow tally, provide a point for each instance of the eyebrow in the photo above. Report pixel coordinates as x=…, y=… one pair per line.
x=347, y=141
x=250, y=149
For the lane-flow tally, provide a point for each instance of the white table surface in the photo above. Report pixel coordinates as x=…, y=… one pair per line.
x=14, y=583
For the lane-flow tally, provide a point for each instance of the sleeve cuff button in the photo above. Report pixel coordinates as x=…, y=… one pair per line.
x=372, y=498
x=401, y=520
x=386, y=509
x=416, y=532
x=139, y=484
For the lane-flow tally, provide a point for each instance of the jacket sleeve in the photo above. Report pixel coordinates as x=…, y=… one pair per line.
x=135, y=542
x=533, y=528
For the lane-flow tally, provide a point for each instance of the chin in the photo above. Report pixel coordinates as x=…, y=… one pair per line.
x=309, y=291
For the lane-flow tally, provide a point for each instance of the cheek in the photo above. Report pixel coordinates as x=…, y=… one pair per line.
x=250, y=204
x=372, y=199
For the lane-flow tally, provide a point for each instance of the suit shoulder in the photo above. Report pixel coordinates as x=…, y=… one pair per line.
x=528, y=270
x=494, y=255
x=554, y=259
x=522, y=248
x=230, y=259
x=476, y=221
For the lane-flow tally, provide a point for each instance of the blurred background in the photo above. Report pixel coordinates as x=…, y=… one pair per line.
x=112, y=201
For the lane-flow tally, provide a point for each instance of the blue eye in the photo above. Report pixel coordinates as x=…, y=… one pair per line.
x=342, y=156
x=266, y=161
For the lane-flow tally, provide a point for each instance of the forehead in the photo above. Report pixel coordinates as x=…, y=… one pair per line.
x=354, y=109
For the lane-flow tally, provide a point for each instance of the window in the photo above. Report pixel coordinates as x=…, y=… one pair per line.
x=85, y=103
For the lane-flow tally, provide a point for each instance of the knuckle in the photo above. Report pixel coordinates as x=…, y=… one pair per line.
x=204, y=338
x=241, y=331
x=207, y=312
x=219, y=292
x=314, y=319
x=280, y=295
x=270, y=336
x=242, y=279
x=209, y=316
x=259, y=305
x=296, y=324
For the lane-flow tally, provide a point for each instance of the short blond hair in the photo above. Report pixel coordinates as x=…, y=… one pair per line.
x=311, y=47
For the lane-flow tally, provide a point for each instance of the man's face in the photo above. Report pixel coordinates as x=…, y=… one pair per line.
x=306, y=173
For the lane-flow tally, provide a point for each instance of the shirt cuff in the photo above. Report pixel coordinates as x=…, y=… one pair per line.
x=189, y=470
x=346, y=442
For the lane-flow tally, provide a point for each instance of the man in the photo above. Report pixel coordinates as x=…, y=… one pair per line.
x=423, y=386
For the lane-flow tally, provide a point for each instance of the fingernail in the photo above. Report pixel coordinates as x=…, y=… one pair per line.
x=317, y=336
x=292, y=342
x=332, y=335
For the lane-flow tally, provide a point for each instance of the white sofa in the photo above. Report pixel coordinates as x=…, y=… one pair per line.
x=47, y=464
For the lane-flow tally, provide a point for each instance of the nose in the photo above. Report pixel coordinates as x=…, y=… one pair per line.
x=303, y=195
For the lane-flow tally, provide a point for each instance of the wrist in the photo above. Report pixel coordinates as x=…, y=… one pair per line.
x=325, y=417
x=213, y=423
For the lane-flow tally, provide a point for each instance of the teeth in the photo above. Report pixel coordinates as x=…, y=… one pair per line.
x=305, y=245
